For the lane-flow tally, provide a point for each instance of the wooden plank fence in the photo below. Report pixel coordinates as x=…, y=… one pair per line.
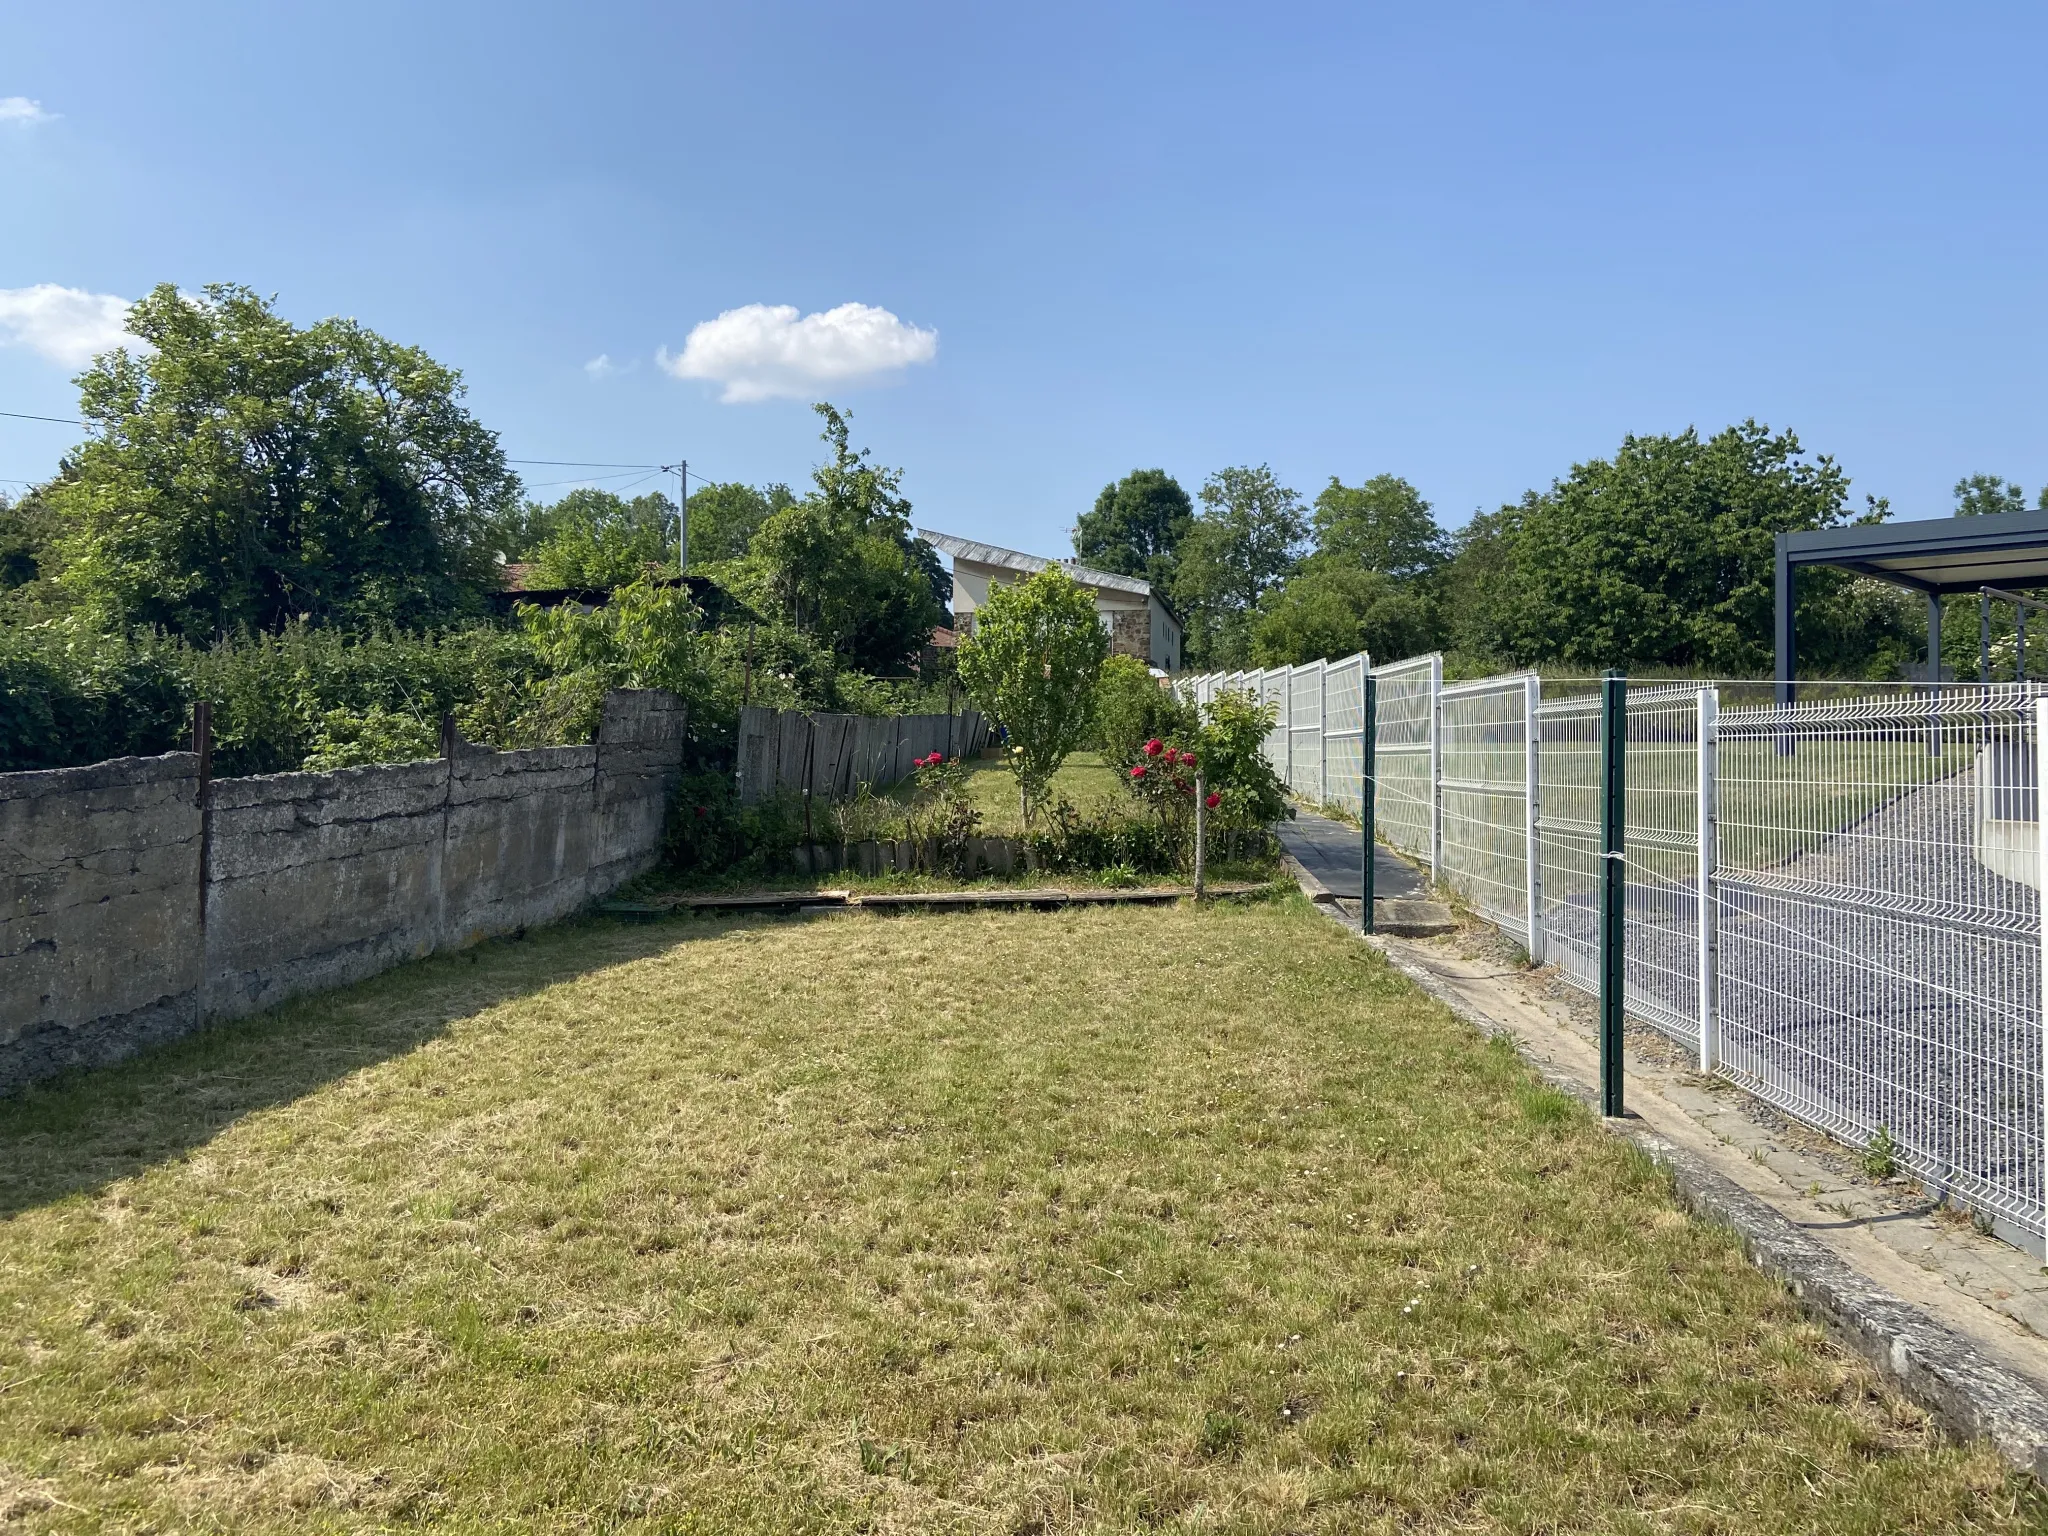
x=790, y=750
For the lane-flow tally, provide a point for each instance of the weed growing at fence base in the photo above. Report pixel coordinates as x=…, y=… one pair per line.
x=1166, y=1219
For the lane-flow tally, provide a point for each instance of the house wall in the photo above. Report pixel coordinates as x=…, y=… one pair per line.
x=1138, y=624
x=109, y=940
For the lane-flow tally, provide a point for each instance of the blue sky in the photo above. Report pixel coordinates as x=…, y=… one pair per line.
x=1464, y=244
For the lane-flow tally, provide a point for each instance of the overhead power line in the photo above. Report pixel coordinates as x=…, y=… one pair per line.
x=62, y=421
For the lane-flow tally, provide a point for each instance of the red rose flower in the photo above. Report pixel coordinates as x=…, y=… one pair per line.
x=1188, y=758
x=1138, y=772
x=1152, y=747
x=1214, y=800
x=700, y=812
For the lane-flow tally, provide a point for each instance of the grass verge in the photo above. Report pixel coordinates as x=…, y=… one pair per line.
x=1132, y=1220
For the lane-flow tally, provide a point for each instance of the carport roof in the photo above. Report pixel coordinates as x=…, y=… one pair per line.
x=1938, y=555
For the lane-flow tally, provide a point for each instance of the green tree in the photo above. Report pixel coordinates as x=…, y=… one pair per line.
x=1333, y=609
x=25, y=534
x=1245, y=543
x=1136, y=527
x=245, y=472
x=842, y=565
x=725, y=516
x=1984, y=495
x=598, y=539
x=1662, y=556
x=1032, y=663
x=1382, y=525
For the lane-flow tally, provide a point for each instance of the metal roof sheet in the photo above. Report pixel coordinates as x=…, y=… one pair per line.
x=1938, y=554
x=1017, y=560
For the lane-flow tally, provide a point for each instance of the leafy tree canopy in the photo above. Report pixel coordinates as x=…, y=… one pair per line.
x=725, y=516
x=245, y=472
x=1981, y=495
x=1245, y=542
x=1137, y=527
x=1382, y=525
x=1662, y=556
x=1334, y=609
x=842, y=565
x=1033, y=663
x=595, y=538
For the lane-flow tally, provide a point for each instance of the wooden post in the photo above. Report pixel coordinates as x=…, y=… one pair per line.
x=1201, y=832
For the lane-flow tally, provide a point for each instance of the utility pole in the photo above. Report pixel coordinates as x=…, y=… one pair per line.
x=683, y=517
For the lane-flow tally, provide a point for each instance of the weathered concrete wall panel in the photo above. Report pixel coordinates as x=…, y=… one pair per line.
x=319, y=879
x=99, y=911
x=313, y=879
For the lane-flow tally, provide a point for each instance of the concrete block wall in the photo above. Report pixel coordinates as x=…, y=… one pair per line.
x=108, y=942
x=100, y=949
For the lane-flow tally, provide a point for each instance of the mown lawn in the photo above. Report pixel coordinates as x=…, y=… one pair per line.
x=1150, y=1220
x=1084, y=779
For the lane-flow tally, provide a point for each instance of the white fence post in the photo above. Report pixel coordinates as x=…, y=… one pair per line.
x=1323, y=796
x=2041, y=908
x=1436, y=768
x=1532, y=696
x=1709, y=918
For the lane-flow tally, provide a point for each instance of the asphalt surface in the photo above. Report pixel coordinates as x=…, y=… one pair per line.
x=1333, y=853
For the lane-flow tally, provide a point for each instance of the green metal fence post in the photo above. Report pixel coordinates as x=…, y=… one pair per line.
x=1368, y=797
x=1613, y=884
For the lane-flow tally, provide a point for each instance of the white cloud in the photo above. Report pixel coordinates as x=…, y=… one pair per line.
x=19, y=109
x=762, y=351
x=66, y=325
x=601, y=366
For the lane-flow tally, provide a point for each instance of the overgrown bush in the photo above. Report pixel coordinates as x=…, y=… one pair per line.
x=709, y=832
x=1131, y=708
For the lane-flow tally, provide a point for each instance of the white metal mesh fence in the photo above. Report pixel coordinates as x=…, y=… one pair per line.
x=1344, y=734
x=1485, y=788
x=1405, y=753
x=1836, y=904
x=1880, y=930
x=1305, y=731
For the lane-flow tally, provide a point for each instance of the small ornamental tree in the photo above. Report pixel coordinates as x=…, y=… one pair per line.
x=1032, y=663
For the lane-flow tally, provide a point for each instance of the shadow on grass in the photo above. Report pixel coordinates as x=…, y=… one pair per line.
x=81, y=1131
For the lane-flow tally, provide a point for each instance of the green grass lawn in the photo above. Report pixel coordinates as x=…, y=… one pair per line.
x=1162, y=1220
x=1084, y=778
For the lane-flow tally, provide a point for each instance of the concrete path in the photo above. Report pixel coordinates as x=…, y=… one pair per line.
x=1331, y=851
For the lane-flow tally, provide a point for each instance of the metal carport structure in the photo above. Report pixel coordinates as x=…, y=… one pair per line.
x=1939, y=557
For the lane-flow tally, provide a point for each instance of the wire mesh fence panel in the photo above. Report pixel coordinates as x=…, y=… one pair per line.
x=1344, y=734
x=1877, y=896
x=1485, y=787
x=1661, y=838
x=1305, y=731
x=1404, y=751
x=1568, y=840
x=1273, y=693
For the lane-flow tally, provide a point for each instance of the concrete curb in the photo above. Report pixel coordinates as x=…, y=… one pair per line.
x=1404, y=917
x=1936, y=1367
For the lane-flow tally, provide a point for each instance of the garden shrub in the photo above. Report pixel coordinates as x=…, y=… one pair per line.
x=1131, y=708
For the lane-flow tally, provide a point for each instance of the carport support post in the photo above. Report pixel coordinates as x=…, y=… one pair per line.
x=1368, y=787
x=1613, y=884
x=1984, y=635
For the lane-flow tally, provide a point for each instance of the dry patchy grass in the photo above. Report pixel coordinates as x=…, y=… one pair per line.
x=1168, y=1220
